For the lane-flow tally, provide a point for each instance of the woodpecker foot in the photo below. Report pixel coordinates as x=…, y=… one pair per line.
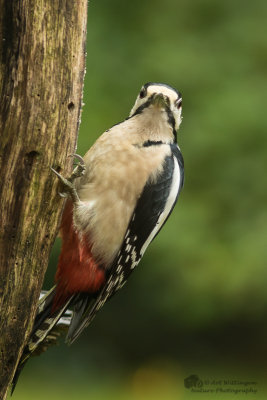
x=79, y=169
x=68, y=183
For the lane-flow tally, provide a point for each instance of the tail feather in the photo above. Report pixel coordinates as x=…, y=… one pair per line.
x=76, y=325
x=45, y=322
x=49, y=324
x=46, y=329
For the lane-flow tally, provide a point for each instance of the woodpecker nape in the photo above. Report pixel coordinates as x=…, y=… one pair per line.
x=118, y=198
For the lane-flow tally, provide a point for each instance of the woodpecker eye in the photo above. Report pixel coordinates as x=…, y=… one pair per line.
x=142, y=93
x=178, y=103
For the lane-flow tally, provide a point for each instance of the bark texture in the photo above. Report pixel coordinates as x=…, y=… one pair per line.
x=42, y=64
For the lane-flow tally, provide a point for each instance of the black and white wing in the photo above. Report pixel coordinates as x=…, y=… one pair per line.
x=151, y=212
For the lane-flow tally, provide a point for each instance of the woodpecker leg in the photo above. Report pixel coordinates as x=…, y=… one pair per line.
x=78, y=170
x=68, y=183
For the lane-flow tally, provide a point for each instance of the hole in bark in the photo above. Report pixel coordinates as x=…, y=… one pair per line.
x=58, y=169
x=71, y=106
x=31, y=156
x=29, y=160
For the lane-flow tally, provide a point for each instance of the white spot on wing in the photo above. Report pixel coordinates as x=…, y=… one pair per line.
x=119, y=268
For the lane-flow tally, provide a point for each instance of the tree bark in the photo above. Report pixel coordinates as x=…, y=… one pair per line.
x=42, y=64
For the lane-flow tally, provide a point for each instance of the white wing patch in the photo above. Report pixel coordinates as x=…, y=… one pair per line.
x=168, y=206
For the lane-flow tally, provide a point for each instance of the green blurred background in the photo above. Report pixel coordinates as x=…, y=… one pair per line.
x=197, y=302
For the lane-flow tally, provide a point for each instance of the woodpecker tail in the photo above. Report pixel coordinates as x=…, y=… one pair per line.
x=48, y=326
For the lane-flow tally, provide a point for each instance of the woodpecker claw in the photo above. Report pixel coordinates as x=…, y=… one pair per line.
x=79, y=158
x=55, y=172
x=63, y=195
x=79, y=169
x=69, y=182
x=68, y=185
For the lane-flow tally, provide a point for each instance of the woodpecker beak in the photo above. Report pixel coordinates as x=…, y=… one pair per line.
x=159, y=100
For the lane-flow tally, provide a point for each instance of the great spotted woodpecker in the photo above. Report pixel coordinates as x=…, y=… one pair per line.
x=119, y=197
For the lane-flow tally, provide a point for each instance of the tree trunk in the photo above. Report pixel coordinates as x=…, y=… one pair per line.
x=42, y=64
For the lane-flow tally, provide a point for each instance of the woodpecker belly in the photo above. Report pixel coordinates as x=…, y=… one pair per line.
x=104, y=218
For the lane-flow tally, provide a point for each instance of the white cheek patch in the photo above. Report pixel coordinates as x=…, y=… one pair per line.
x=178, y=117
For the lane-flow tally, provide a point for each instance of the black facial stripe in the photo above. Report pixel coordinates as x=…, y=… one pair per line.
x=143, y=93
x=171, y=121
x=143, y=106
x=149, y=143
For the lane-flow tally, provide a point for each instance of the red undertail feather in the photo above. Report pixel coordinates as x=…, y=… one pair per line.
x=77, y=271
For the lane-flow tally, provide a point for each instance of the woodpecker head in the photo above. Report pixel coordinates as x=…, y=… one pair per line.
x=159, y=98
